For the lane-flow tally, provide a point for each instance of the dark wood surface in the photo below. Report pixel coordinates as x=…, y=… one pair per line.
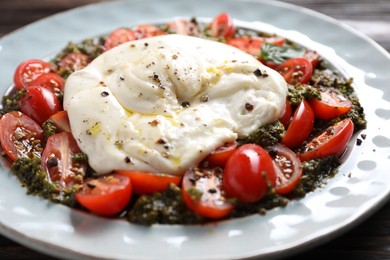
x=369, y=240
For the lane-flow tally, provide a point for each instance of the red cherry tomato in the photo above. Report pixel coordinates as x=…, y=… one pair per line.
x=288, y=168
x=222, y=26
x=118, y=37
x=57, y=160
x=20, y=136
x=285, y=118
x=300, y=127
x=107, y=195
x=74, y=61
x=147, y=183
x=296, y=70
x=252, y=45
x=39, y=103
x=147, y=30
x=220, y=156
x=247, y=173
x=51, y=81
x=182, y=26
x=202, y=192
x=332, y=141
x=61, y=121
x=331, y=105
x=29, y=70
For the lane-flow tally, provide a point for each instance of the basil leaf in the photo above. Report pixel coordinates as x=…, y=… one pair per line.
x=280, y=54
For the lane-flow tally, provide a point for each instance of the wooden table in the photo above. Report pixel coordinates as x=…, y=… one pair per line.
x=369, y=240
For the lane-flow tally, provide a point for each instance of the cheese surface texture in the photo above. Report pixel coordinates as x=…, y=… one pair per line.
x=162, y=104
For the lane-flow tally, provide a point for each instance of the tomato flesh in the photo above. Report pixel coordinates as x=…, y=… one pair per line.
x=20, y=136
x=61, y=121
x=202, y=192
x=147, y=30
x=252, y=45
x=57, y=160
x=147, y=183
x=106, y=195
x=331, y=105
x=51, y=81
x=29, y=70
x=288, y=168
x=300, y=127
x=332, y=141
x=220, y=156
x=222, y=26
x=248, y=172
x=39, y=103
x=74, y=61
x=182, y=26
x=296, y=70
x=285, y=118
x=118, y=37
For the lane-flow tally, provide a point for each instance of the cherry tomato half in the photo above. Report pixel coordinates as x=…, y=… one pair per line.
x=202, y=192
x=74, y=61
x=58, y=162
x=248, y=172
x=107, y=195
x=61, y=121
x=222, y=26
x=21, y=136
x=252, y=45
x=182, y=26
x=220, y=156
x=288, y=168
x=285, y=118
x=147, y=30
x=147, y=183
x=51, y=81
x=296, y=70
x=39, y=103
x=29, y=70
x=331, y=105
x=332, y=141
x=300, y=127
x=117, y=37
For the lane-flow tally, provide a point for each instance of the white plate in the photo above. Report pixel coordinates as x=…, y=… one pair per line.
x=361, y=186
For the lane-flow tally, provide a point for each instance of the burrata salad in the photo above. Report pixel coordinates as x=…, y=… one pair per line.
x=184, y=122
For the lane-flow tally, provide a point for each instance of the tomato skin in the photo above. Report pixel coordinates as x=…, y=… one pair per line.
x=106, y=195
x=74, y=61
x=29, y=70
x=61, y=121
x=147, y=30
x=252, y=45
x=57, y=160
x=247, y=173
x=51, y=81
x=296, y=70
x=313, y=57
x=118, y=37
x=211, y=203
x=300, y=127
x=332, y=141
x=147, y=183
x=285, y=118
x=39, y=103
x=222, y=26
x=220, y=156
x=288, y=168
x=20, y=136
x=182, y=26
x=331, y=105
